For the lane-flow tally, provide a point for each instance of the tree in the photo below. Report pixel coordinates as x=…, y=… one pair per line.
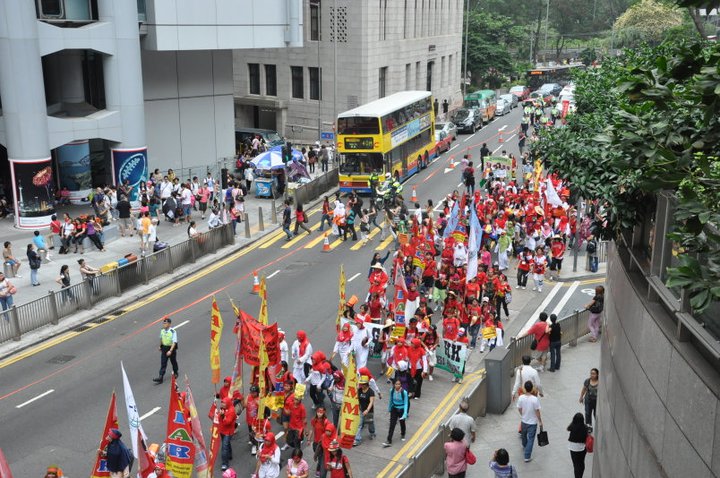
x=647, y=22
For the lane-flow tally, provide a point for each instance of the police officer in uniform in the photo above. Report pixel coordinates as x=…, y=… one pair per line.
x=168, y=349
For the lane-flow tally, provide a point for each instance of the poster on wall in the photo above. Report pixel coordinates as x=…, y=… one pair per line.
x=130, y=167
x=34, y=192
x=74, y=171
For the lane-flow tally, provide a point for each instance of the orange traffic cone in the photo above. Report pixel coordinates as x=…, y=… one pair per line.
x=452, y=162
x=500, y=136
x=256, y=284
x=413, y=198
x=326, y=243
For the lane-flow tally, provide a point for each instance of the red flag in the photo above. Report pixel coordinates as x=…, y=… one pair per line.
x=250, y=337
x=180, y=453
x=146, y=463
x=201, y=459
x=214, y=449
x=4, y=467
x=111, y=421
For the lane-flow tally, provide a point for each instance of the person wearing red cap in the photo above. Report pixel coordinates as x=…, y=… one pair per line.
x=118, y=459
x=159, y=471
x=338, y=464
x=226, y=430
x=225, y=389
x=268, y=458
x=54, y=471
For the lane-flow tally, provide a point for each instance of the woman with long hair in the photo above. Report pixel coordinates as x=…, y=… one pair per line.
x=596, y=306
x=576, y=444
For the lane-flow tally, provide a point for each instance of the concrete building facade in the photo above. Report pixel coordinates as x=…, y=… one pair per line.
x=382, y=47
x=100, y=91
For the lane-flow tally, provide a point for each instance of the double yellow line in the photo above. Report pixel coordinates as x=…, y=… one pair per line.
x=399, y=460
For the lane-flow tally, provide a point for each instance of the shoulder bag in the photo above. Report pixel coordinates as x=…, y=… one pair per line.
x=542, y=438
x=470, y=457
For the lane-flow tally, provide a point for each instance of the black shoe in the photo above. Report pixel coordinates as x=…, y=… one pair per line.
x=551, y=370
x=158, y=380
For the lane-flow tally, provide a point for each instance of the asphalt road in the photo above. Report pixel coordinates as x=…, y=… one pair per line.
x=74, y=378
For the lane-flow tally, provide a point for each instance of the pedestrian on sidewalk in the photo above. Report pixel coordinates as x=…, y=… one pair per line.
x=55, y=228
x=287, y=220
x=541, y=331
x=455, y=452
x=555, y=343
x=34, y=261
x=9, y=259
x=41, y=245
x=588, y=395
x=500, y=464
x=596, y=306
x=88, y=272
x=125, y=220
x=398, y=408
x=93, y=232
x=64, y=281
x=168, y=349
x=464, y=422
x=7, y=290
x=576, y=444
x=529, y=408
x=591, y=249
x=523, y=374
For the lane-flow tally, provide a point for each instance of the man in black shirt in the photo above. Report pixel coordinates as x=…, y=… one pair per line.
x=123, y=208
x=555, y=343
x=287, y=220
x=366, y=398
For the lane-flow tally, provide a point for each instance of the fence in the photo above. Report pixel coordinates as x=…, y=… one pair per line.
x=307, y=192
x=430, y=459
x=84, y=295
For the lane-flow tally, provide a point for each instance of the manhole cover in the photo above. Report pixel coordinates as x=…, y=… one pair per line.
x=61, y=359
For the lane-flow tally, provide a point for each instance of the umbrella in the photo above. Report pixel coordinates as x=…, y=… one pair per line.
x=273, y=159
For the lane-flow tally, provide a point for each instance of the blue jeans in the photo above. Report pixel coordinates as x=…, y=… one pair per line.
x=286, y=230
x=474, y=330
x=555, y=355
x=33, y=277
x=527, y=433
x=6, y=302
x=225, y=451
x=593, y=263
x=371, y=426
x=325, y=218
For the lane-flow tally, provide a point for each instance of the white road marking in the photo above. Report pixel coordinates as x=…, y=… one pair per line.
x=354, y=277
x=459, y=185
x=590, y=292
x=465, y=140
x=447, y=170
x=280, y=435
x=502, y=145
x=566, y=297
x=154, y=410
x=273, y=274
x=454, y=147
x=503, y=128
x=36, y=398
x=541, y=307
x=181, y=324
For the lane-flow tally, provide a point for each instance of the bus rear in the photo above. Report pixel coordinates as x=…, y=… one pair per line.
x=359, y=145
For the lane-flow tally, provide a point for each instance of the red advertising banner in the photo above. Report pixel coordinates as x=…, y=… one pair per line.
x=180, y=450
x=214, y=449
x=111, y=421
x=250, y=336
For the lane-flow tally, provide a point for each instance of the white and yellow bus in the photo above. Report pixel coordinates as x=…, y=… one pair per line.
x=395, y=134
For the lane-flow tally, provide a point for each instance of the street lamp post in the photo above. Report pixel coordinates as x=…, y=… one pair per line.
x=467, y=28
x=547, y=18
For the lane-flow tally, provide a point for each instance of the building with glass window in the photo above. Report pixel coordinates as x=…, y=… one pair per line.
x=101, y=91
x=353, y=52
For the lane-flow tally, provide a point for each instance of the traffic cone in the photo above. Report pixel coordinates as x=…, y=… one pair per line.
x=326, y=243
x=452, y=162
x=413, y=198
x=500, y=136
x=256, y=284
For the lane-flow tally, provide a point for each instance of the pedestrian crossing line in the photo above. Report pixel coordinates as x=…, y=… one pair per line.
x=317, y=240
x=280, y=234
x=360, y=243
x=383, y=245
x=301, y=235
x=565, y=298
x=336, y=242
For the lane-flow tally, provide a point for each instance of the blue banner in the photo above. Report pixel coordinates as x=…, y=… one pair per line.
x=73, y=160
x=130, y=165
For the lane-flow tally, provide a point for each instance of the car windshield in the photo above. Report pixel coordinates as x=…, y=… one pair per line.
x=439, y=126
x=461, y=115
x=506, y=98
x=273, y=138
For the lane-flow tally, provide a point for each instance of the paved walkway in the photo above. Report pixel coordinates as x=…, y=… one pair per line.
x=562, y=390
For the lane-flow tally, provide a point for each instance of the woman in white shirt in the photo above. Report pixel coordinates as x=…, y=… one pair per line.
x=268, y=456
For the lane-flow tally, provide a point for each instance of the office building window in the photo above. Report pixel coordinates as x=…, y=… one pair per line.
x=315, y=83
x=296, y=77
x=450, y=76
x=382, y=78
x=415, y=23
x=442, y=71
x=254, y=78
x=418, y=77
x=315, y=31
x=428, y=82
x=270, y=80
x=405, y=21
x=383, y=19
x=408, y=67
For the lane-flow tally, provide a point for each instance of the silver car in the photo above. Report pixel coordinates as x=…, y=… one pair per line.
x=510, y=98
x=448, y=128
x=502, y=107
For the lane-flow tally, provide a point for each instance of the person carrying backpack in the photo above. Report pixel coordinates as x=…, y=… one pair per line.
x=591, y=249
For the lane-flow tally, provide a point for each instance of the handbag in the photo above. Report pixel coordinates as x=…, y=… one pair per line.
x=542, y=438
x=508, y=298
x=470, y=457
x=589, y=443
x=534, y=343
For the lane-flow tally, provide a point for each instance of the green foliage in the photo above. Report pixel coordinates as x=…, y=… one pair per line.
x=650, y=121
x=588, y=56
x=647, y=22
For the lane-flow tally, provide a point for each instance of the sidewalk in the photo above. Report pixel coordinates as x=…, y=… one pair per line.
x=562, y=390
x=116, y=246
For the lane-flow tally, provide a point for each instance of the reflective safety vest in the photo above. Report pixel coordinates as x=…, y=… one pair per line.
x=166, y=337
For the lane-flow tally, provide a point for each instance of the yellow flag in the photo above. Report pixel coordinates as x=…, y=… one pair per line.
x=264, y=360
x=350, y=411
x=216, y=327
x=263, y=315
x=341, y=305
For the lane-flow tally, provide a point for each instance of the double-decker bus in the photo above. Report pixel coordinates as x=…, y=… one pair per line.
x=392, y=135
x=561, y=74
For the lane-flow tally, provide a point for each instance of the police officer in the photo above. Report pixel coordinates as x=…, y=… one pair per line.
x=168, y=349
x=373, y=182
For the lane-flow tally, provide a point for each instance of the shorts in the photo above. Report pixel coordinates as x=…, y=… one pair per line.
x=126, y=223
x=538, y=355
x=555, y=264
x=10, y=262
x=203, y=206
x=187, y=208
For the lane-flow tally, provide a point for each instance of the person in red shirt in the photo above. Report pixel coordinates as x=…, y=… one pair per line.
x=451, y=327
x=337, y=463
x=525, y=260
x=296, y=428
x=558, y=253
x=472, y=290
x=474, y=313
x=541, y=331
x=428, y=275
x=225, y=389
x=226, y=429
x=376, y=306
x=539, y=265
x=251, y=414
x=317, y=426
x=502, y=288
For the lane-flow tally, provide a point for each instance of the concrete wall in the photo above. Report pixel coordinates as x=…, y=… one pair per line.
x=188, y=108
x=658, y=407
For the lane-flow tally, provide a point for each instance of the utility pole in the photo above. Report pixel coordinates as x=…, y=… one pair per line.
x=547, y=22
x=335, y=69
x=467, y=28
x=531, y=49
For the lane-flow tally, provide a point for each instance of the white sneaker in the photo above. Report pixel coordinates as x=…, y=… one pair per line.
x=253, y=451
x=539, y=289
x=534, y=288
x=430, y=378
x=285, y=447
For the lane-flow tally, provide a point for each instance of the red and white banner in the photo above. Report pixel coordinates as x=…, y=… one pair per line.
x=111, y=421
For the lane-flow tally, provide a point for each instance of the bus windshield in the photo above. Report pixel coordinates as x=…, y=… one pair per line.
x=361, y=163
x=358, y=125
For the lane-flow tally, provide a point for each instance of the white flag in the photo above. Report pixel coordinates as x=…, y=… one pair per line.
x=132, y=413
x=551, y=194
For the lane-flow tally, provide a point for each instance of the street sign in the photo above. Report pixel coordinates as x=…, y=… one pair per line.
x=327, y=136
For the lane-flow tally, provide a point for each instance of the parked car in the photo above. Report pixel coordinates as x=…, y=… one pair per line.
x=467, y=120
x=510, y=98
x=551, y=88
x=448, y=128
x=521, y=91
x=442, y=143
x=503, y=107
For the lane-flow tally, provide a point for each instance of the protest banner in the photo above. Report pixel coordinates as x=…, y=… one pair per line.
x=451, y=357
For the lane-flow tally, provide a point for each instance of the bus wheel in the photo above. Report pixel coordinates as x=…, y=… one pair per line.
x=425, y=159
x=419, y=163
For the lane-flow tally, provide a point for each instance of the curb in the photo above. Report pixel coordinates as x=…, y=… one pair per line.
x=110, y=306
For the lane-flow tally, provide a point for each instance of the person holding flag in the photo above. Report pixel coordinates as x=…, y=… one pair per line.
x=226, y=430
x=119, y=459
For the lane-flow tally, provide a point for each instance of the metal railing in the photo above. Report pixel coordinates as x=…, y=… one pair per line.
x=430, y=460
x=21, y=319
